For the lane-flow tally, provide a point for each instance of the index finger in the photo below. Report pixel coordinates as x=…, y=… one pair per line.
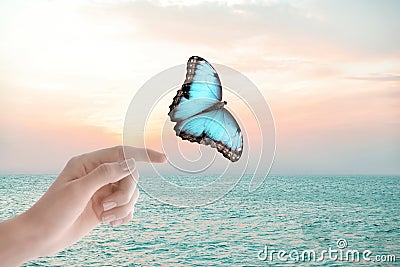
x=119, y=153
x=91, y=160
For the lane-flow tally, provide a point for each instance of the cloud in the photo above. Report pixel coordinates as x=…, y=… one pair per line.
x=308, y=27
x=385, y=77
x=366, y=27
x=216, y=25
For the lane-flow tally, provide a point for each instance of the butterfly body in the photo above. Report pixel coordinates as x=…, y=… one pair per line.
x=216, y=106
x=200, y=113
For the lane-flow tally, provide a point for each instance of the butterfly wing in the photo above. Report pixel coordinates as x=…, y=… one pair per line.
x=217, y=128
x=201, y=88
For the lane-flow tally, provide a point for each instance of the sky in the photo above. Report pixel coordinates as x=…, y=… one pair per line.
x=330, y=71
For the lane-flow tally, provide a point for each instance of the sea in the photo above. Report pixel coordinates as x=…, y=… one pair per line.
x=289, y=221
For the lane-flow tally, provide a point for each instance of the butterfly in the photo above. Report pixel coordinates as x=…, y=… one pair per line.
x=199, y=112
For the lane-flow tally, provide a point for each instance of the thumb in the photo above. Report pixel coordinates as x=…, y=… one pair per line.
x=107, y=173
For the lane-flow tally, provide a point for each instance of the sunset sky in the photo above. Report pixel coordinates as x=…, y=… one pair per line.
x=330, y=71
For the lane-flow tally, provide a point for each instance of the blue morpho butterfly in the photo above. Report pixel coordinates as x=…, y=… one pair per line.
x=199, y=112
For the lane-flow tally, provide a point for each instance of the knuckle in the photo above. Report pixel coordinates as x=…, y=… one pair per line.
x=73, y=161
x=133, y=179
x=105, y=169
x=129, y=217
x=124, y=198
x=126, y=210
x=122, y=212
x=119, y=150
x=136, y=174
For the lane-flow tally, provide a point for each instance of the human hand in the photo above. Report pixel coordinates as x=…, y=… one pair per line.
x=96, y=187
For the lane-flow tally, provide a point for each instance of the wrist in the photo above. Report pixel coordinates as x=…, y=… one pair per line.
x=19, y=241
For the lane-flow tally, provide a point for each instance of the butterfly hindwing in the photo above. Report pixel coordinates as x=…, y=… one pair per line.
x=216, y=128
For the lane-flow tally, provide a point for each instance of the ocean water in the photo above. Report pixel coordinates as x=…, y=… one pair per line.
x=289, y=213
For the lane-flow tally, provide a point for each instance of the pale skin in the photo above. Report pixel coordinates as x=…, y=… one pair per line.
x=94, y=188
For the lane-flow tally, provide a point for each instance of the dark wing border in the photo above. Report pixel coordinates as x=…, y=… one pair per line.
x=204, y=139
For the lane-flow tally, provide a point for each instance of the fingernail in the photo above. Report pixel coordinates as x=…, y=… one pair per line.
x=109, y=218
x=116, y=223
x=109, y=205
x=127, y=165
